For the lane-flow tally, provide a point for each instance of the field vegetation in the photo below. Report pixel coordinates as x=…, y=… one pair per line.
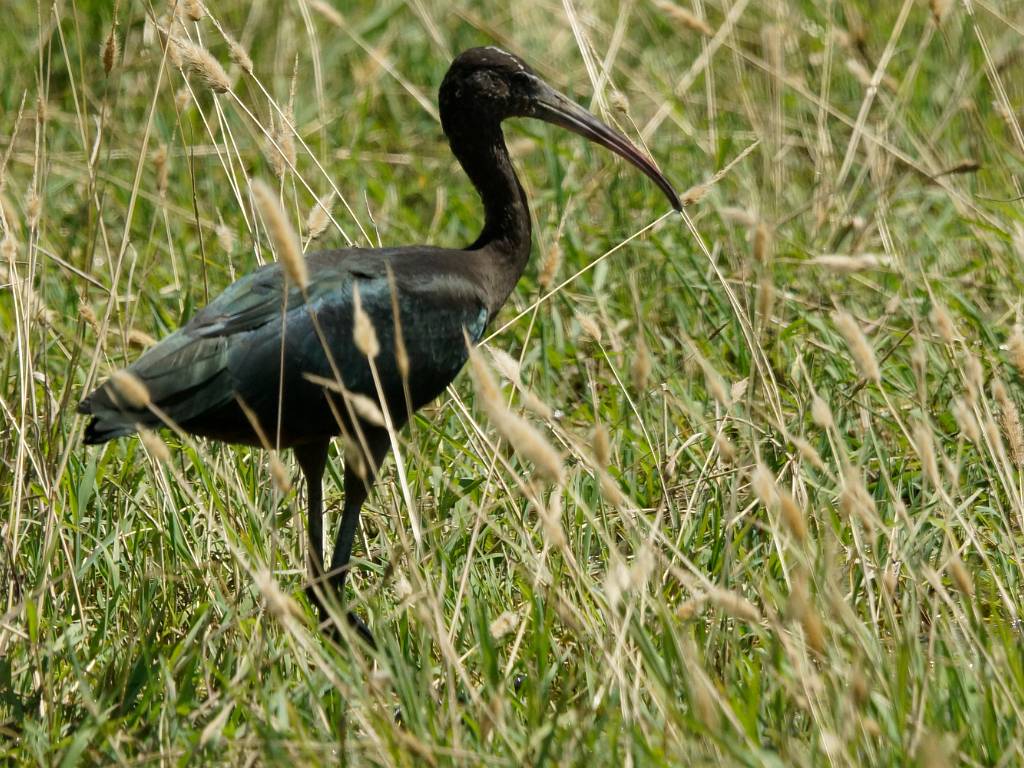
x=781, y=523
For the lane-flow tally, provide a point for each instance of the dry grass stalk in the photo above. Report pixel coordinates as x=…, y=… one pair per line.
x=845, y=263
x=859, y=71
x=238, y=54
x=860, y=350
x=966, y=421
x=1010, y=417
x=366, y=408
x=182, y=99
x=640, y=365
x=590, y=326
x=403, y=589
x=282, y=236
x=504, y=624
x=200, y=62
x=735, y=605
x=534, y=404
x=792, y=515
x=156, y=447
x=740, y=216
x=808, y=453
x=761, y=243
x=111, y=49
x=765, y=300
x=926, y=450
x=714, y=383
x=193, y=9
x=800, y=609
x=549, y=265
x=854, y=500
x=618, y=101
x=821, y=414
x=1015, y=346
x=521, y=435
x=763, y=482
x=694, y=194
x=601, y=445
x=160, y=165
x=88, y=314
x=974, y=376
x=943, y=323
x=684, y=18
x=225, y=238
x=319, y=217
x=616, y=582
x=507, y=365
x=363, y=332
x=8, y=249
x=141, y=339
x=282, y=155
x=726, y=449
x=33, y=304
x=129, y=389
x=328, y=12
x=940, y=9
x=279, y=474
x=961, y=577
x=551, y=519
x=278, y=603
x=610, y=490
x=354, y=457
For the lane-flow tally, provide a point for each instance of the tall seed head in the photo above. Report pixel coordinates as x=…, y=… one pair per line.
x=521, y=435
x=763, y=482
x=640, y=367
x=943, y=323
x=200, y=62
x=238, y=54
x=111, y=49
x=363, y=332
x=821, y=414
x=319, y=217
x=926, y=450
x=1015, y=345
x=129, y=389
x=860, y=350
x=792, y=515
x=602, y=447
x=961, y=577
x=1010, y=417
x=282, y=236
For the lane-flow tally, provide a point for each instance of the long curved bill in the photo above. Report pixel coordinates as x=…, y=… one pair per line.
x=551, y=106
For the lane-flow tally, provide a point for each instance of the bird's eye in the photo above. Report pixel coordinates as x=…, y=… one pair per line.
x=521, y=79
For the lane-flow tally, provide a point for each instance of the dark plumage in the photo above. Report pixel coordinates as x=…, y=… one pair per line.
x=230, y=353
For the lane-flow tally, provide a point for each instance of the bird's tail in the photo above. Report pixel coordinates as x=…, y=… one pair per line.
x=108, y=420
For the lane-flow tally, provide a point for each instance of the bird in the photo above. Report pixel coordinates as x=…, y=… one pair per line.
x=269, y=360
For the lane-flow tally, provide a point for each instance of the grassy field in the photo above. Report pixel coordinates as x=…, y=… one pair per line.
x=789, y=529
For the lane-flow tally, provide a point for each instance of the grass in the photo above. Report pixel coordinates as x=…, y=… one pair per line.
x=762, y=552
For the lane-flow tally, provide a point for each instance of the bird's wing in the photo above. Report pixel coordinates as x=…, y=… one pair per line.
x=233, y=346
x=187, y=373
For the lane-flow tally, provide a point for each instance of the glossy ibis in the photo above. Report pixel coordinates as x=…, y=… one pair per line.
x=262, y=349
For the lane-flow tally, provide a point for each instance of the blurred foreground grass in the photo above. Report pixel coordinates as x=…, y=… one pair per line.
x=790, y=530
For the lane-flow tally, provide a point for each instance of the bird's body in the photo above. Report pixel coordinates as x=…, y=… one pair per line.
x=222, y=371
x=267, y=363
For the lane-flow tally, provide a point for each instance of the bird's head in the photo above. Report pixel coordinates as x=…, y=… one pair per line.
x=484, y=86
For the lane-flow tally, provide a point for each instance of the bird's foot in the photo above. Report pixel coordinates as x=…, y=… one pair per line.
x=331, y=627
x=362, y=631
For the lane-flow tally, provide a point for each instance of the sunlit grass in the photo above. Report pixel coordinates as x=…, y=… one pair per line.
x=787, y=529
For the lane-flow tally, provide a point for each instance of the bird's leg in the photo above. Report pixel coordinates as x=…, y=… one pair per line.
x=357, y=488
x=312, y=459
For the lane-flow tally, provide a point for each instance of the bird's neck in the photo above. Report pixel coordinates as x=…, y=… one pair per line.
x=505, y=239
